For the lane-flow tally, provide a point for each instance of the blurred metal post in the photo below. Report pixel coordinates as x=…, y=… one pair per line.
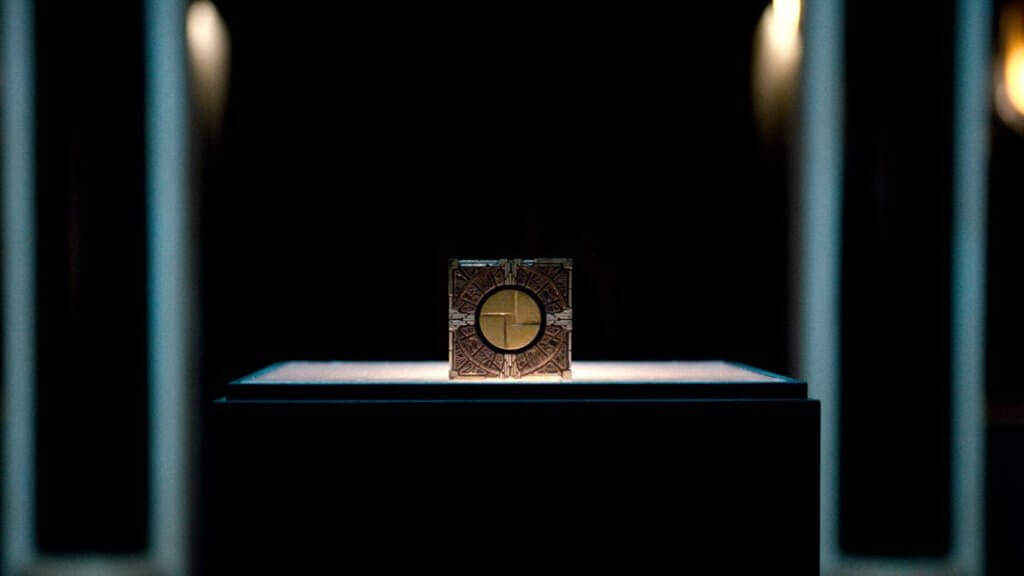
x=970, y=170
x=168, y=281
x=19, y=290
x=820, y=259
x=820, y=243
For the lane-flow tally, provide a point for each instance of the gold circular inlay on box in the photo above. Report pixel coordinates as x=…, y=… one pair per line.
x=509, y=319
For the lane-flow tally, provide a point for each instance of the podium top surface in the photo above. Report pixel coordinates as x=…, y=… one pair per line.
x=413, y=381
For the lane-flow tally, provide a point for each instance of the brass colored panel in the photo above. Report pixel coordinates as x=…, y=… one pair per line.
x=510, y=319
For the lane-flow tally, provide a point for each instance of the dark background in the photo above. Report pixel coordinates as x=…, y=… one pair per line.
x=92, y=429
x=895, y=339
x=361, y=148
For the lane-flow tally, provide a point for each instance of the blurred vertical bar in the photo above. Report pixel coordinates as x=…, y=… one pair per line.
x=819, y=258
x=970, y=159
x=169, y=285
x=19, y=244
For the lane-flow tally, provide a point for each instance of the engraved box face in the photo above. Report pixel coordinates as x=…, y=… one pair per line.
x=510, y=318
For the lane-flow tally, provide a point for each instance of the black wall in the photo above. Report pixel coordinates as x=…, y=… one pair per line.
x=1005, y=441
x=897, y=206
x=362, y=148
x=92, y=429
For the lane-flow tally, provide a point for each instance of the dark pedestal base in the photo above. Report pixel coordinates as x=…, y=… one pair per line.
x=483, y=485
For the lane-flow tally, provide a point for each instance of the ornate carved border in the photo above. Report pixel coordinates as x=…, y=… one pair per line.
x=470, y=280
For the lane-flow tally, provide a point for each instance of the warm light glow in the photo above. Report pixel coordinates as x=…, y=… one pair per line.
x=1009, y=68
x=784, y=24
x=1013, y=74
x=203, y=24
x=209, y=48
x=787, y=11
x=776, y=63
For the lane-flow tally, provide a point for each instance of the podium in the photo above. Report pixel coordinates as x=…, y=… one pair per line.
x=630, y=467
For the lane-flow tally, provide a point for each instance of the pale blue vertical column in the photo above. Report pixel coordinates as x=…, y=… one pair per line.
x=820, y=252
x=168, y=284
x=19, y=291
x=970, y=163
